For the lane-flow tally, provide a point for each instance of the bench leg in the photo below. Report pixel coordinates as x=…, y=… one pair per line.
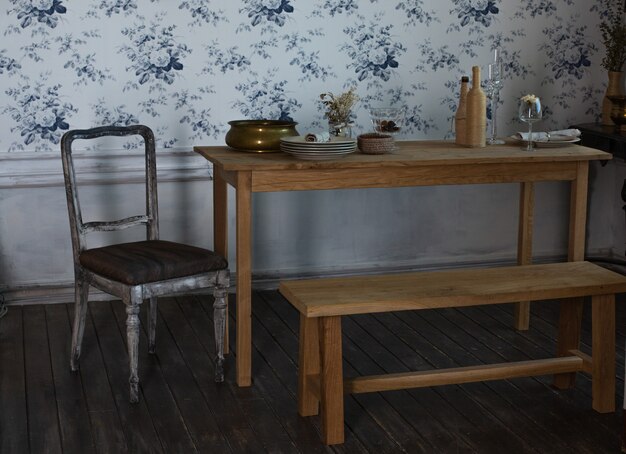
x=525, y=246
x=331, y=380
x=570, y=319
x=603, y=353
x=308, y=365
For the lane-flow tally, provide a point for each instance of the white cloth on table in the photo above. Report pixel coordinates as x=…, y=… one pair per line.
x=318, y=137
x=541, y=136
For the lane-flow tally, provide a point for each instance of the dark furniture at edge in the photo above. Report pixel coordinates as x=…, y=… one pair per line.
x=605, y=138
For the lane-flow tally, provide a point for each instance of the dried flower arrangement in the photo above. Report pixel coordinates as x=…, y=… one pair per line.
x=614, y=39
x=338, y=108
x=529, y=99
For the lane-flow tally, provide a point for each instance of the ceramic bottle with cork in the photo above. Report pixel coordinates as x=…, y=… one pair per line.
x=476, y=113
x=460, y=117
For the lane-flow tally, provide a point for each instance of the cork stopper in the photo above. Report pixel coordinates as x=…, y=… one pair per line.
x=476, y=75
x=465, y=79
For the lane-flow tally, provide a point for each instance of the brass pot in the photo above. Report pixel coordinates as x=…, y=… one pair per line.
x=618, y=110
x=259, y=136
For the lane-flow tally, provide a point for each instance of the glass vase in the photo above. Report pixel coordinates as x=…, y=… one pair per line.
x=340, y=129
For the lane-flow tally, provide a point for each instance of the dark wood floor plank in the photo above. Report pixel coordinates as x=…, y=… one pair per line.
x=255, y=412
x=139, y=432
x=13, y=416
x=403, y=359
x=358, y=351
x=275, y=376
x=541, y=334
x=581, y=395
x=106, y=427
x=478, y=426
x=197, y=346
x=366, y=326
x=506, y=342
x=199, y=419
x=367, y=435
x=548, y=312
x=525, y=395
x=43, y=423
x=384, y=419
x=183, y=410
x=73, y=416
x=157, y=395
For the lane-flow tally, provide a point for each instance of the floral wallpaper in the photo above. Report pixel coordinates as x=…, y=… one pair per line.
x=187, y=67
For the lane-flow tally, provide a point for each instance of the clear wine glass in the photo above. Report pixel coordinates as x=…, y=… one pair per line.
x=530, y=112
x=493, y=86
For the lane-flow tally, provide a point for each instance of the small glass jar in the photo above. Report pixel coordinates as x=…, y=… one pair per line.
x=340, y=129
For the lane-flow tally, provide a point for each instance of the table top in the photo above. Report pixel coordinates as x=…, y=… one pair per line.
x=410, y=154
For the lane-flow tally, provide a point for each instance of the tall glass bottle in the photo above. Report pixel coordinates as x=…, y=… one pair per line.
x=460, y=118
x=476, y=122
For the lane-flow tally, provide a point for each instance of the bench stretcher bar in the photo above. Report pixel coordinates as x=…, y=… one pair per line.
x=458, y=375
x=580, y=362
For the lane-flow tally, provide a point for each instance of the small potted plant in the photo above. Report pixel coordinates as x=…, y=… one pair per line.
x=614, y=40
x=339, y=111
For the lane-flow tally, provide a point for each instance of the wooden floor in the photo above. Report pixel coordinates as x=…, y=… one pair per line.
x=46, y=408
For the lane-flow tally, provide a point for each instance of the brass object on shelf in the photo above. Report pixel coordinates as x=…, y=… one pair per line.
x=259, y=136
x=618, y=110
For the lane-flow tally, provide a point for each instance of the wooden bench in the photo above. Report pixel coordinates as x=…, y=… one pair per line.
x=322, y=302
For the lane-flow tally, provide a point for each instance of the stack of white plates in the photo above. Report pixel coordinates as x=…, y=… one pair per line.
x=298, y=147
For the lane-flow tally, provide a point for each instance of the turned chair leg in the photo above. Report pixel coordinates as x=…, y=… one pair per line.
x=81, y=297
x=152, y=321
x=219, y=325
x=132, y=339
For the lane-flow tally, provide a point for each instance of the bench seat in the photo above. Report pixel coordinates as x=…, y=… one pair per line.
x=322, y=302
x=454, y=288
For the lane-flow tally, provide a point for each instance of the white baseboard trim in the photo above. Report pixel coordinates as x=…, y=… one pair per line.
x=37, y=170
x=64, y=292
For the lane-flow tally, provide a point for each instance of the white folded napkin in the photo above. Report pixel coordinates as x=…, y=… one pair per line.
x=550, y=136
x=318, y=137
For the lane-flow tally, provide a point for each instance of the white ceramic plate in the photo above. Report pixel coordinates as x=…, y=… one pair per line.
x=556, y=143
x=319, y=156
x=300, y=140
x=284, y=147
x=553, y=143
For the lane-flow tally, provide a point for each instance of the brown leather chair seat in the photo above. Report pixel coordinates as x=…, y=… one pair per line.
x=150, y=261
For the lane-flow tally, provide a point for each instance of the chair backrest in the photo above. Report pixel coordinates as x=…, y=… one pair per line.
x=79, y=229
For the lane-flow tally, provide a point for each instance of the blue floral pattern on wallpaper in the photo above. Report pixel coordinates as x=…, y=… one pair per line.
x=187, y=67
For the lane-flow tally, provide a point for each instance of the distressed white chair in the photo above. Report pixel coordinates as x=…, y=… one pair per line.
x=141, y=270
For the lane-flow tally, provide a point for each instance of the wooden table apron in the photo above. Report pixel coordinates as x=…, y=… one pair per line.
x=425, y=163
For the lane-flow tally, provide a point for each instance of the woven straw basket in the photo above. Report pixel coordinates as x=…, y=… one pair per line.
x=374, y=143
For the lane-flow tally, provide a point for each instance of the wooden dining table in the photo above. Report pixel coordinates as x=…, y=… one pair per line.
x=414, y=163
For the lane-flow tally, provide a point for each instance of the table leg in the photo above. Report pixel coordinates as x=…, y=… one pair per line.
x=331, y=380
x=244, y=278
x=220, y=230
x=578, y=214
x=308, y=365
x=603, y=353
x=571, y=311
x=525, y=246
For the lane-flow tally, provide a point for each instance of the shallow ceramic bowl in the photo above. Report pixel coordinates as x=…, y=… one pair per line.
x=259, y=136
